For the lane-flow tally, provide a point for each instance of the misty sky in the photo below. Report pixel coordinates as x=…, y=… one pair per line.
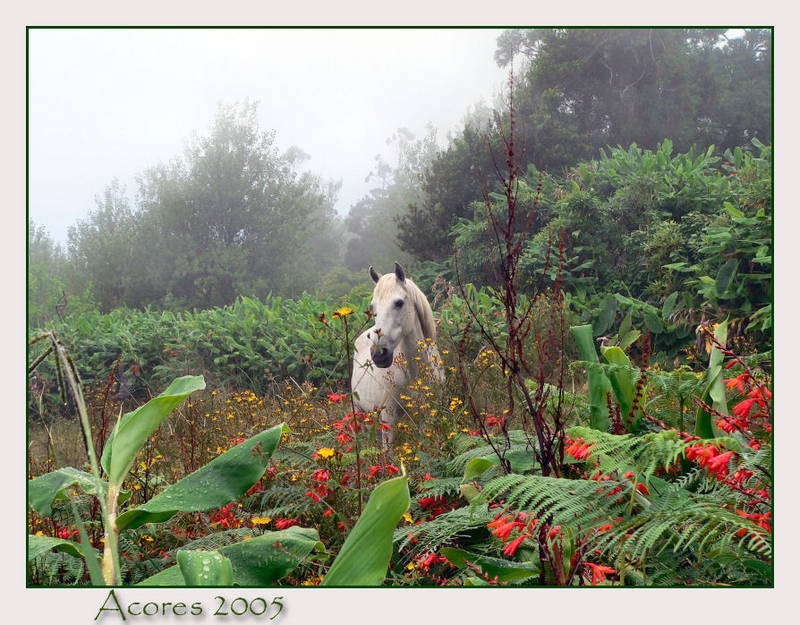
x=110, y=103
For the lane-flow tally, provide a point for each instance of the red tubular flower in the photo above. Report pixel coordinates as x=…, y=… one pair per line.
x=742, y=410
x=737, y=382
x=336, y=398
x=719, y=464
x=700, y=453
x=511, y=547
x=282, y=524
x=502, y=527
x=599, y=572
x=321, y=475
x=578, y=449
x=431, y=559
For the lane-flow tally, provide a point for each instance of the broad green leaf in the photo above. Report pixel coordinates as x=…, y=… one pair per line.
x=608, y=311
x=504, y=570
x=136, y=427
x=469, y=492
x=38, y=545
x=599, y=384
x=476, y=466
x=205, y=568
x=669, y=305
x=725, y=275
x=260, y=561
x=714, y=392
x=621, y=379
x=625, y=325
x=653, y=323
x=45, y=490
x=365, y=555
x=628, y=339
x=224, y=479
x=732, y=210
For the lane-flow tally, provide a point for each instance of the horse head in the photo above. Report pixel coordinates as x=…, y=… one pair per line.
x=392, y=306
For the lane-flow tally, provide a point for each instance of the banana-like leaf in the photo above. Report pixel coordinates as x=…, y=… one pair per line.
x=45, y=490
x=476, y=466
x=224, y=479
x=599, y=384
x=260, y=561
x=714, y=392
x=726, y=274
x=621, y=379
x=37, y=545
x=503, y=570
x=205, y=568
x=364, y=557
x=136, y=427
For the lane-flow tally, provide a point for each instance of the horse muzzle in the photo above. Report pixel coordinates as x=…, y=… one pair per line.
x=381, y=356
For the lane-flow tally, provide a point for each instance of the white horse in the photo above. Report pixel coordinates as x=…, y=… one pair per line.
x=384, y=362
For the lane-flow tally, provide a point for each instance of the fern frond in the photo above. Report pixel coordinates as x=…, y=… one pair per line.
x=445, y=529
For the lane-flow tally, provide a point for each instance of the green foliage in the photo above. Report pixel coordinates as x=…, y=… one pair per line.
x=364, y=557
x=583, y=89
x=599, y=384
x=233, y=216
x=226, y=478
x=260, y=561
x=135, y=428
x=248, y=344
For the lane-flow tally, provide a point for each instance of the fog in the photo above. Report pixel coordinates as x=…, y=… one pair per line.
x=109, y=103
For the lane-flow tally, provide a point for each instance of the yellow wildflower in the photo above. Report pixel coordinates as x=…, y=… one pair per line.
x=342, y=312
x=325, y=452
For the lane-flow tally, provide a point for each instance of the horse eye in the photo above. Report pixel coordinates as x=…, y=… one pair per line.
x=398, y=303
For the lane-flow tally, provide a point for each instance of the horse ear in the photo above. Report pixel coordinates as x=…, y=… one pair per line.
x=398, y=271
x=374, y=274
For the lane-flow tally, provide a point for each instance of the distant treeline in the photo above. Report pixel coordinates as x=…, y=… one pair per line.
x=233, y=216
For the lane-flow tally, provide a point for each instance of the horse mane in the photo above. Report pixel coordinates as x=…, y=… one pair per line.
x=386, y=286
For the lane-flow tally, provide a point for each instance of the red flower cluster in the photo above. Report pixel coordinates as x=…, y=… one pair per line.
x=578, y=449
x=336, y=398
x=639, y=486
x=504, y=524
x=282, y=524
x=346, y=427
x=711, y=458
x=425, y=562
x=376, y=470
x=321, y=488
x=65, y=533
x=764, y=521
x=744, y=417
x=494, y=421
x=598, y=572
x=435, y=505
x=224, y=517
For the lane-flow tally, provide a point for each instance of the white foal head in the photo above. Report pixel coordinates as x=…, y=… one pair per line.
x=394, y=305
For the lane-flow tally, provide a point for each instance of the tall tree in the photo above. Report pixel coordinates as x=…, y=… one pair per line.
x=234, y=217
x=577, y=91
x=102, y=251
